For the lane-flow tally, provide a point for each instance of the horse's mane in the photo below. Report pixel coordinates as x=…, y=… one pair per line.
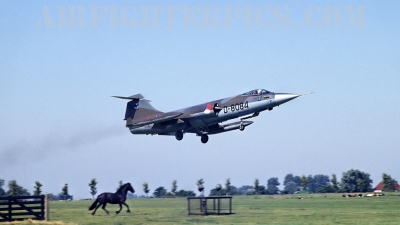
x=123, y=186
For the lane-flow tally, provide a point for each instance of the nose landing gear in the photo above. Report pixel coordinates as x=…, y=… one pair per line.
x=204, y=138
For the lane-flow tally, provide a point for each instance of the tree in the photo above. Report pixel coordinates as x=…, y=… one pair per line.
x=304, y=182
x=355, y=181
x=160, y=192
x=2, y=192
x=64, y=195
x=200, y=186
x=258, y=189
x=146, y=188
x=321, y=180
x=325, y=189
x=38, y=188
x=119, y=184
x=93, y=189
x=233, y=191
x=317, y=181
x=218, y=189
x=290, y=178
x=256, y=185
x=360, y=182
x=388, y=183
x=243, y=189
x=184, y=193
x=311, y=185
x=64, y=191
x=228, y=186
x=291, y=187
x=15, y=190
x=335, y=186
x=12, y=188
x=272, y=186
x=174, y=187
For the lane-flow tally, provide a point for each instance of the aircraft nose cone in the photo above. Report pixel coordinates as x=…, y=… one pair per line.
x=282, y=98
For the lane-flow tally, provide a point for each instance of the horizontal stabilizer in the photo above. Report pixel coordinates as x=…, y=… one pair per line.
x=137, y=96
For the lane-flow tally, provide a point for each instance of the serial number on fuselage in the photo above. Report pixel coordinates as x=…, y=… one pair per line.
x=236, y=107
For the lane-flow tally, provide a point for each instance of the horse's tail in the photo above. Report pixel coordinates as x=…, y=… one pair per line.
x=95, y=203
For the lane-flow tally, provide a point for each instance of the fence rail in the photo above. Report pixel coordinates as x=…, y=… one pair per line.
x=24, y=207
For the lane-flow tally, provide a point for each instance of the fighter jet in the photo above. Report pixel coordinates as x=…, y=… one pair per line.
x=203, y=119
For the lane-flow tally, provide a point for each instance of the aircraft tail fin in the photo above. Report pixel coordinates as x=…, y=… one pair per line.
x=137, y=107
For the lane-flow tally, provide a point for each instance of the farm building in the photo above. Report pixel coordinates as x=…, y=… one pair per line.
x=379, y=187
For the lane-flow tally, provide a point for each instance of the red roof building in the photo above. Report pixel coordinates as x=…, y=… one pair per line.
x=379, y=187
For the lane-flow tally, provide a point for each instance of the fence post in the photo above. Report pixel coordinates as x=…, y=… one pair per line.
x=230, y=205
x=46, y=207
x=188, y=206
x=9, y=208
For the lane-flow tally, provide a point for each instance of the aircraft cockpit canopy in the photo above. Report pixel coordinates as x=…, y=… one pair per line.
x=257, y=92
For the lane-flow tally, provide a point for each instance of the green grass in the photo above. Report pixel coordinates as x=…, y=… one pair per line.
x=314, y=209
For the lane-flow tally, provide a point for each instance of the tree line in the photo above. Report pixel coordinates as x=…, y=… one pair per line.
x=352, y=181
x=16, y=190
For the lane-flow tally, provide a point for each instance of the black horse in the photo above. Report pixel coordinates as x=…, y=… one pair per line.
x=118, y=197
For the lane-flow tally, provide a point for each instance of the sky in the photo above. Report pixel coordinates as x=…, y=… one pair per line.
x=62, y=60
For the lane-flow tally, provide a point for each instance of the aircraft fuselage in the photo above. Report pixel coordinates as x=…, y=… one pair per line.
x=201, y=119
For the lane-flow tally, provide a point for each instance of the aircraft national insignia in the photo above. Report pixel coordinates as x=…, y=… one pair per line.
x=203, y=119
x=207, y=109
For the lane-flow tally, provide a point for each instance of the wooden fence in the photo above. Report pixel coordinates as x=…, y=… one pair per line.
x=24, y=207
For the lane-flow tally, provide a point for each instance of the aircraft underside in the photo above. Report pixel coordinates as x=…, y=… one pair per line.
x=179, y=130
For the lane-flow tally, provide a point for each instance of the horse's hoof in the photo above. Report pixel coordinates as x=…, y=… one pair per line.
x=116, y=212
x=128, y=211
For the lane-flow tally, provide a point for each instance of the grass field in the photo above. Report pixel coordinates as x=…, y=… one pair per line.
x=314, y=209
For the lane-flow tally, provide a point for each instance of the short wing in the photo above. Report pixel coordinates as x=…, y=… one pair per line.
x=158, y=119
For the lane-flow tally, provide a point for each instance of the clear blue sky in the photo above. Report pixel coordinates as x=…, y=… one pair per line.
x=61, y=62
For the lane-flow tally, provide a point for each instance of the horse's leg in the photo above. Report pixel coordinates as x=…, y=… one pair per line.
x=104, y=208
x=98, y=205
x=128, y=211
x=120, y=208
